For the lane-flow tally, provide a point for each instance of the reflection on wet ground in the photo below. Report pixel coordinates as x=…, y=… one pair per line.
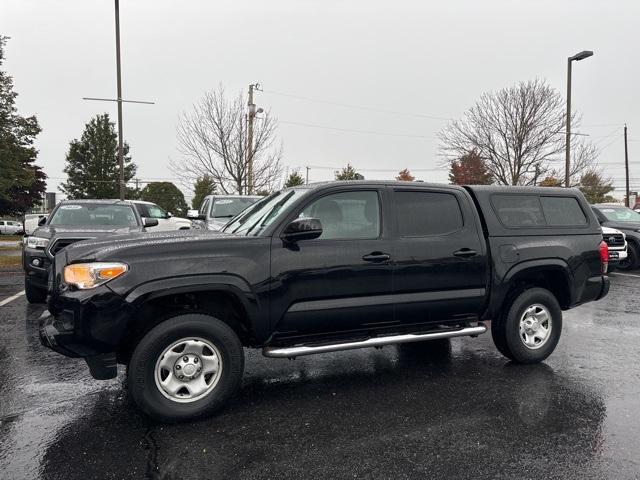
x=446, y=409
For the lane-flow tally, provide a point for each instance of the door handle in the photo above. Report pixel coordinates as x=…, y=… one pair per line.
x=465, y=253
x=376, y=257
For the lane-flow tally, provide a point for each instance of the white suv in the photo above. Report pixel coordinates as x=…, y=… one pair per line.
x=166, y=221
x=9, y=227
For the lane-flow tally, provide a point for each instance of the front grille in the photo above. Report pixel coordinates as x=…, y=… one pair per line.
x=614, y=240
x=62, y=243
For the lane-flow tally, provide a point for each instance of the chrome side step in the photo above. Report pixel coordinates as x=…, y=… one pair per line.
x=292, y=352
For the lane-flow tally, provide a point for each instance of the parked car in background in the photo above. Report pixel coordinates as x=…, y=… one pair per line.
x=217, y=210
x=166, y=220
x=322, y=268
x=617, y=243
x=72, y=221
x=627, y=221
x=11, y=227
x=31, y=220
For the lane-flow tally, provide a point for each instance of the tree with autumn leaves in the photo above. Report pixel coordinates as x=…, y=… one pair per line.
x=469, y=169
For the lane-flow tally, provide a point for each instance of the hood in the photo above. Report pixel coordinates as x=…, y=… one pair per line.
x=51, y=231
x=159, y=242
x=624, y=226
x=216, y=224
x=609, y=230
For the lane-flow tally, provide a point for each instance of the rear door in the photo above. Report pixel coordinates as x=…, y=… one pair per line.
x=342, y=280
x=440, y=262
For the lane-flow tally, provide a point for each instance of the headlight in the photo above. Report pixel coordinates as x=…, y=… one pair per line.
x=91, y=275
x=37, y=242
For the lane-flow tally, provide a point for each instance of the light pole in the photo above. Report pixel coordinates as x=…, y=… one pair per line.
x=577, y=57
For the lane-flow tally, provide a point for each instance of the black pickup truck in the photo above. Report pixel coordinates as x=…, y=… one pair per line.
x=322, y=268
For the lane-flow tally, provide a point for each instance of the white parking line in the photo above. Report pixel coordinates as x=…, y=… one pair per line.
x=11, y=298
x=625, y=274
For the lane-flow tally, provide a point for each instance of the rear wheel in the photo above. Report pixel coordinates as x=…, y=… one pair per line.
x=34, y=294
x=185, y=368
x=529, y=329
x=632, y=261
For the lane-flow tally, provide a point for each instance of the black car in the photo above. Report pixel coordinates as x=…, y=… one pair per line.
x=72, y=221
x=626, y=220
x=321, y=268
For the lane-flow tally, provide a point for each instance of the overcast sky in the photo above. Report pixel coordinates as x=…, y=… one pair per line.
x=430, y=59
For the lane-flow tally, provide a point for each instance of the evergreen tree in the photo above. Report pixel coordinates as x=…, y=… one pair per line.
x=348, y=173
x=22, y=183
x=596, y=188
x=294, y=179
x=204, y=186
x=166, y=195
x=92, y=162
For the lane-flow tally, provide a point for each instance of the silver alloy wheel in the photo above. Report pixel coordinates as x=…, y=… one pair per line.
x=188, y=370
x=535, y=326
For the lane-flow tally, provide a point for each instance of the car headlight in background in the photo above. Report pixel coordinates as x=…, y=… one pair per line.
x=37, y=242
x=90, y=275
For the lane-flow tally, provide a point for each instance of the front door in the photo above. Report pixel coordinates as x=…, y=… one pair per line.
x=342, y=280
x=440, y=271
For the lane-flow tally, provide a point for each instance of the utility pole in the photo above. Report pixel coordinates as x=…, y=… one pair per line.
x=119, y=100
x=626, y=166
x=251, y=115
x=307, y=174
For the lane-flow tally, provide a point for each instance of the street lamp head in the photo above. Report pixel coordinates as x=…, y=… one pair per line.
x=582, y=55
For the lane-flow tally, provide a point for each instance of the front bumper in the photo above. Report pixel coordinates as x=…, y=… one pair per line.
x=87, y=325
x=36, y=265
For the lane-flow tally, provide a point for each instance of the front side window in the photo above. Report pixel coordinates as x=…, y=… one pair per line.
x=346, y=215
x=421, y=214
x=93, y=214
x=253, y=220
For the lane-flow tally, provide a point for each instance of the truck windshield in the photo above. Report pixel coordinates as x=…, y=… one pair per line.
x=256, y=218
x=93, y=214
x=620, y=214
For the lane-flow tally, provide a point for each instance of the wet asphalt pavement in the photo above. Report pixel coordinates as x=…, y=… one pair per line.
x=436, y=410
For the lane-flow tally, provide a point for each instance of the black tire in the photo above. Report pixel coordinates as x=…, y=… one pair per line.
x=34, y=294
x=633, y=258
x=141, y=373
x=505, y=330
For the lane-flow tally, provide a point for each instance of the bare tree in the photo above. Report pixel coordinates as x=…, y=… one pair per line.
x=213, y=141
x=518, y=133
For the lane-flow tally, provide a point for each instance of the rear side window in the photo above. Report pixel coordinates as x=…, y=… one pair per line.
x=562, y=211
x=421, y=214
x=519, y=210
x=534, y=211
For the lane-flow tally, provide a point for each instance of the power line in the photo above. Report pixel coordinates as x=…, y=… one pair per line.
x=366, y=132
x=357, y=107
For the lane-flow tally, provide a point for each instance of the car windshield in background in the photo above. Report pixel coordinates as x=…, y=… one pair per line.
x=93, y=214
x=229, y=207
x=620, y=214
x=256, y=218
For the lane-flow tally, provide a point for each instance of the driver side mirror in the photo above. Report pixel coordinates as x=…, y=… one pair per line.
x=302, y=229
x=195, y=215
x=149, y=222
x=42, y=221
x=169, y=214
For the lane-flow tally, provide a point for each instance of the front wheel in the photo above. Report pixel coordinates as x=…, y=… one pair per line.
x=529, y=329
x=185, y=368
x=632, y=261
